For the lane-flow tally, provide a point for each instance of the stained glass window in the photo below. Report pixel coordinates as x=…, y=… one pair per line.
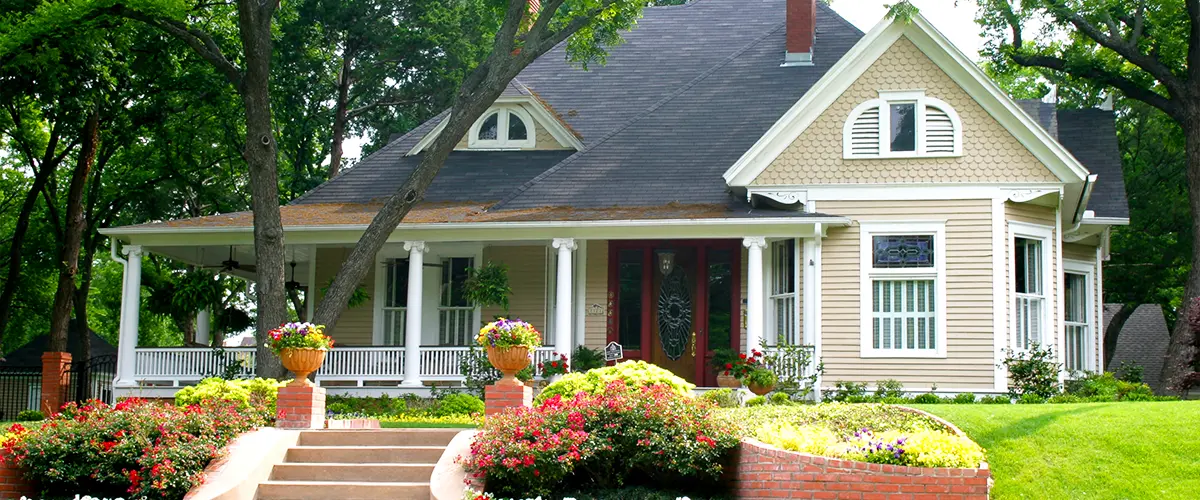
x=902, y=251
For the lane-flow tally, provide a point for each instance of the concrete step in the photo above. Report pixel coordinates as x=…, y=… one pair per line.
x=365, y=454
x=322, y=490
x=379, y=437
x=325, y=471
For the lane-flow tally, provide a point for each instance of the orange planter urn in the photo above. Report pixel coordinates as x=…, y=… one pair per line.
x=302, y=362
x=509, y=360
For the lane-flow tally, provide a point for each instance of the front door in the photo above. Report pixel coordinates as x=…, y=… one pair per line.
x=673, y=302
x=674, y=320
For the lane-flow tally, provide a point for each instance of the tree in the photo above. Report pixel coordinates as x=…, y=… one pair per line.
x=1148, y=50
x=587, y=26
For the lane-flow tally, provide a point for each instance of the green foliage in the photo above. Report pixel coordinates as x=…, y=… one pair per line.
x=30, y=416
x=996, y=400
x=246, y=395
x=624, y=435
x=632, y=373
x=843, y=391
x=585, y=359
x=964, y=398
x=1066, y=399
x=780, y=398
x=1130, y=371
x=488, y=286
x=793, y=381
x=1031, y=398
x=756, y=401
x=478, y=372
x=723, y=398
x=459, y=404
x=762, y=377
x=925, y=399
x=357, y=298
x=378, y=406
x=723, y=359
x=1107, y=387
x=1034, y=371
x=841, y=418
x=889, y=388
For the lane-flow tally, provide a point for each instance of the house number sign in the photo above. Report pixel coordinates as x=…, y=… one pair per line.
x=613, y=351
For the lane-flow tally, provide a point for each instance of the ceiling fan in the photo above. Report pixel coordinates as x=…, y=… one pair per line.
x=292, y=284
x=231, y=264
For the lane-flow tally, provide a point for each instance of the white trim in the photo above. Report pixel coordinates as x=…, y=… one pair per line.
x=942, y=52
x=868, y=229
x=528, y=104
x=999, y=293
x=1046, y=235
x=893, y=191
x=503, y=120
x=1088, y=270
x=920, y=102
x=430, y=137
x=1105, y=221
x=1059, y=303
x=1099, y=307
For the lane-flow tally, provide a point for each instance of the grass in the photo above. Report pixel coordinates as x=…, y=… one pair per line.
x=1093, y=451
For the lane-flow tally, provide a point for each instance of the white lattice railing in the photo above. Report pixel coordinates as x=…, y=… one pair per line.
x=188, y=364
x=356, y=364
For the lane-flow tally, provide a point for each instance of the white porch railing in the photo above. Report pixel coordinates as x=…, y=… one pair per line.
x=181, y=365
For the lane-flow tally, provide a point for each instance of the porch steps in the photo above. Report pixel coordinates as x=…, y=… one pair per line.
x=358, y=465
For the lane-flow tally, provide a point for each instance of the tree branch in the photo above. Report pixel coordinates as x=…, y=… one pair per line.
x=202, y=43
x=1103, y=76
x=359, y=111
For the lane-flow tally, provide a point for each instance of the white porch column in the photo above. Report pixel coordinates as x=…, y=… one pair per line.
x=562, y=300
x=131, y=301
x=754, y=291
x=412, y=319
x=203, y=320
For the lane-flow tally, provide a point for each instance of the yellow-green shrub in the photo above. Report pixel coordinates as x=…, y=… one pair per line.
x=246, y=394
x=802, y=438
x=918, y=447
x=633, y=373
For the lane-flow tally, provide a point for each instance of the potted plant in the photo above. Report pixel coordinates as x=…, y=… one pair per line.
x=723, y=360
x=555, y=368
x=301, y=348
x=761, y=380
x=508, y=343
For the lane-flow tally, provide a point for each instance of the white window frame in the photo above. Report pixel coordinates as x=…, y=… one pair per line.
x=797, y=333
x=502, y=141
x=883, y=102
x=1046, y=235
x=1088, y=271
x=868, y=274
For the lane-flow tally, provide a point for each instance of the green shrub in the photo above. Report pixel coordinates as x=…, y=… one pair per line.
x=1104, y=387
x=1133, y=391
x=756, y=401
x=250, y=394
x=1130, y=371
x=584, y=359
x=761, y=377
x=30, y=416
x=843, y=391
x=889, y=388
x=965, y=398
x=1032, y=372
x=996, y=400
x=893, y=400
x=632, y=373
x=927, y=399
x=780, y=398
x=1031, y=398
x=1066, y=399
x=723, y=398
x=459, y=404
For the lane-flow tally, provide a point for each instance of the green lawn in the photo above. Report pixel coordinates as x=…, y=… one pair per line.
x=1092, y=451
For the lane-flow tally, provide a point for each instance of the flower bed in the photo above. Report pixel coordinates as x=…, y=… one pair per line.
x=135, y=449
x=621, y=436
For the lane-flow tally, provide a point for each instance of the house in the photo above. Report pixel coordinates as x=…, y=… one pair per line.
x=737, y=172
x=1143, y=341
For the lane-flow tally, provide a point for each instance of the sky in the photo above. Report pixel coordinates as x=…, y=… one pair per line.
x=956, y=22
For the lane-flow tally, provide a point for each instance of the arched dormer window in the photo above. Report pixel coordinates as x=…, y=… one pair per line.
x=502, y=128
x=905, y=124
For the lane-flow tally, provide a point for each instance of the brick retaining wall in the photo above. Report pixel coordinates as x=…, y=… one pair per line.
x=12, y=484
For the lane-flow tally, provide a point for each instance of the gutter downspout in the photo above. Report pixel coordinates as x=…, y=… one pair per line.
x=1084, y=197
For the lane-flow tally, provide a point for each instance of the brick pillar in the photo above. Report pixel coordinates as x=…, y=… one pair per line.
x=501, y=396
x=300, y=407
x=56, y=378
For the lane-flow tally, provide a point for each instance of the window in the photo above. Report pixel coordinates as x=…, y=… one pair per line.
x=456, y=316
x=783, y=292
x=395, y=301
x=630, y=264
x=720, y=299
x=1077, y=314
x=1028, y=285
x=502, y=128
x=903, y=289
x=902, y=124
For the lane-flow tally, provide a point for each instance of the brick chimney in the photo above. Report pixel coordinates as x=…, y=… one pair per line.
x=801, y=32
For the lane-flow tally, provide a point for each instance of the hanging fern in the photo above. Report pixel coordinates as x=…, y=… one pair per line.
x=488, y=286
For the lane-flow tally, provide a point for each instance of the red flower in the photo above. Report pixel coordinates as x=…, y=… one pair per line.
x=742, y=355
x=728, y=366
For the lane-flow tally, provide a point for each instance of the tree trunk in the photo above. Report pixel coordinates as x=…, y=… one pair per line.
x=1112, y=331
x=299, y=305
x=73, y=228
x=341, y=115
x=1181, y=352
x=21, y=228
x=254, y=25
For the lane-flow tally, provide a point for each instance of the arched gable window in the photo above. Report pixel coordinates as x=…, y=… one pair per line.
x=502, y=128
x=902, y=124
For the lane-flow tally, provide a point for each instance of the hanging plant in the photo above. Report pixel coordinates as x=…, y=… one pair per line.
x=358, y=298
x=488, y=286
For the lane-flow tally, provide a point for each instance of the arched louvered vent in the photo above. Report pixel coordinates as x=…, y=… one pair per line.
x=939, y=131
x=864, y=133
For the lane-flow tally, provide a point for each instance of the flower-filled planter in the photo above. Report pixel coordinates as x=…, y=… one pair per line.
x=301, y=348
x=508, y=343
x=555, y=367
x=761, y=381
x=727, y=380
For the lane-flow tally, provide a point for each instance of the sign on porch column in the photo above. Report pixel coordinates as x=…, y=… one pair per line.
x=412, y=321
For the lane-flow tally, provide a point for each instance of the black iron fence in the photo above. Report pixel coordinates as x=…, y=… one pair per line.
x=20, y=389
x=92, y=379
x=21, y=386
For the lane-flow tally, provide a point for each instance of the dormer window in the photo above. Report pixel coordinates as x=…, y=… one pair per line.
x=904, y=124
x=502, y=128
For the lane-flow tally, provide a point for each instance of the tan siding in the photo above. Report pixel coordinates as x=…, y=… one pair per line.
x=969, y=341
x=527, y=277
x=595, y=327
x=1042, y=216
x=1075, y=251
x=355, y=325
x=991, y=153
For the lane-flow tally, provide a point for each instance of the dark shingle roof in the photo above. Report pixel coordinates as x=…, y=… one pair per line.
x=1091, y=135
x=1143, y=340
